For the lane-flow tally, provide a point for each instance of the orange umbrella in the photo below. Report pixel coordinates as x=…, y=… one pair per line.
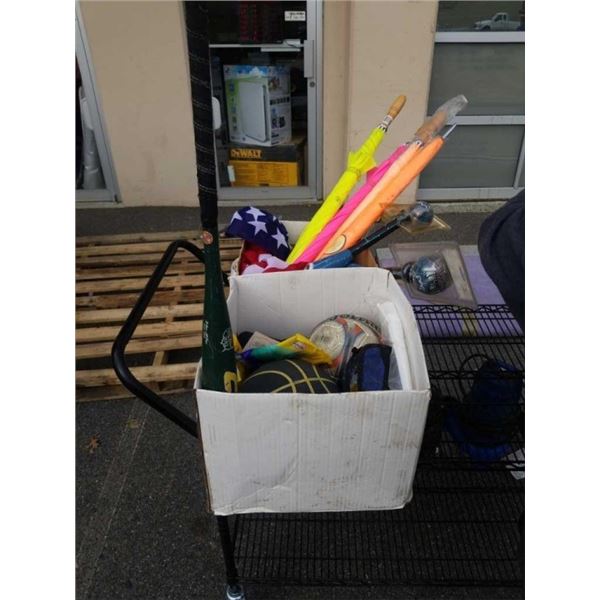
x=382, y=195
x=393, y=183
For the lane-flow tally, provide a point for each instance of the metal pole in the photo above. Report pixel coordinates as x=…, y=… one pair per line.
x=234, y=589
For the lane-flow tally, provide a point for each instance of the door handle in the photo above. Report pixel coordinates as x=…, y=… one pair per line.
x=309, y=59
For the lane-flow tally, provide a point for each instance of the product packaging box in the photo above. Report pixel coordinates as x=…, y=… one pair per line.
x=259, y=109
x=281, y=165
x=316, y=452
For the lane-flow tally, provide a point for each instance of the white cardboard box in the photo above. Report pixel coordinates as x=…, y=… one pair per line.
x=322, y=452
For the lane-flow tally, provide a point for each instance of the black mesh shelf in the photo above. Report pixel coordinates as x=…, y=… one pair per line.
x=461, y=527
x=450, y=336
x=443, y=537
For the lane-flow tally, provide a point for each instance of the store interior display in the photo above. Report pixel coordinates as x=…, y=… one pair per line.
x=256, y=22
x=88, y=170
x=257, y=73
x=258, y=104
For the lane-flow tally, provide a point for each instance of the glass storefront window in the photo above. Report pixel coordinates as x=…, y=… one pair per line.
x=479, y=52
x=476, y=156
x=481, y=16
x=491, y=76
x=522, y=177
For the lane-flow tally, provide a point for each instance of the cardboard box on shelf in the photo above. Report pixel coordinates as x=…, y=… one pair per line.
x=254, y=166
x=259, y=109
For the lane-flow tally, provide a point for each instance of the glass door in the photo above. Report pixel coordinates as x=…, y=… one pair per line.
x=266, y=72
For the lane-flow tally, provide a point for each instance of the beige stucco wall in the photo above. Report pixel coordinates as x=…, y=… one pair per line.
x=139, y=56
x=336, y=47
x=373, y=50
x=389, y=50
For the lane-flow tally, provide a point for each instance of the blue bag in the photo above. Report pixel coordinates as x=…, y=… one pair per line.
x=367, y=369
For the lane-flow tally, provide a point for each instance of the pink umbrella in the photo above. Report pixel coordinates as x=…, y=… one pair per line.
x=373, y=176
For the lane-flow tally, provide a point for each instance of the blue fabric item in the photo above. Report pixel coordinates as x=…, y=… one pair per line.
x=485, y=420
x=474, y=451
x=367, y=369
x=495, y=393
x=374, y=370
x=261, y=228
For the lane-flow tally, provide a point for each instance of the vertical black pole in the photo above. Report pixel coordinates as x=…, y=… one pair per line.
x=218, y=358
x=233, y=588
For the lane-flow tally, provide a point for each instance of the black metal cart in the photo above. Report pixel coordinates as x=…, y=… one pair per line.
x=464, y=524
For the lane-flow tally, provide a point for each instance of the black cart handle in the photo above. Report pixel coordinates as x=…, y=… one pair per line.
x=123, y=372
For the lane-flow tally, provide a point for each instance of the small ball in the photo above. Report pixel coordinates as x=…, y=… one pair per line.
x=290, y=376
x=422, y=212
x=429, y=275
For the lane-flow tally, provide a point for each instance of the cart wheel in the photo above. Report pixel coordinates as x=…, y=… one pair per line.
x=235, y=592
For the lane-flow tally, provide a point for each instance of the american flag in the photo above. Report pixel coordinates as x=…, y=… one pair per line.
x=261, y=228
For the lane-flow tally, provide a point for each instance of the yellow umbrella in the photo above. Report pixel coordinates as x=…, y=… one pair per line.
x=359, y=163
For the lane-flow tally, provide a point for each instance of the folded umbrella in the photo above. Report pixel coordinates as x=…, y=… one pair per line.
x=373, y=177
x=420, y=211
x=360, y=221
x=425, y=145
x=359, y=163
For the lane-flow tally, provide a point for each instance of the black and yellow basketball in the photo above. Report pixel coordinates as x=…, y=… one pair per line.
x=289, y=376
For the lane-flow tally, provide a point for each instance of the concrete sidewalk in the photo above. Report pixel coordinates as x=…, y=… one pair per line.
x=100, y=221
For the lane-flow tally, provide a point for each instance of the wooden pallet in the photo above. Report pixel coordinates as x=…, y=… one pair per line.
x=111, y=272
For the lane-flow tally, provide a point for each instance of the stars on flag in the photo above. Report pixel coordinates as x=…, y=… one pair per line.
x=280, y=239
x=260, y=228
x=255, y=212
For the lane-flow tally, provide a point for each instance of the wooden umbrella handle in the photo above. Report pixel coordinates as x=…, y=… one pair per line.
x=431, y=126
x=396, y=106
